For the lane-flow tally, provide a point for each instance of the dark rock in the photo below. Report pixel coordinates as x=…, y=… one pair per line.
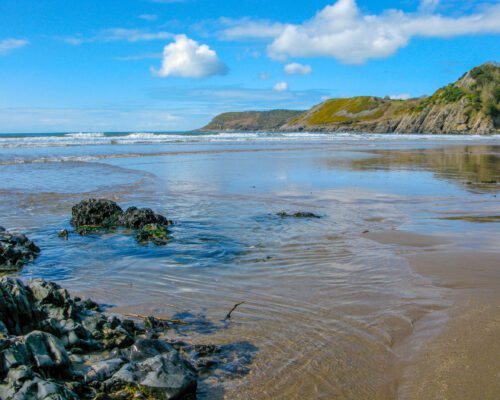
x=95, y=213
x=13, y=354
x=162, y=377
x=36, y=389
x=47, y=351
x=152, y=323
x=15, y=251
x=299, y=214
x=93, y=216
x=158, y=234
x=63, y=234
x=146, y=348
x=137, y=218
x=17, y=309
x=103, y=370
x=71, y=351
x=89, y=304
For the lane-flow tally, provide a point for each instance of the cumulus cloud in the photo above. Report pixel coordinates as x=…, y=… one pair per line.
x=188, y=59
x=343, y=32
x=7, y=45
x=280, y=87
x=297, y=69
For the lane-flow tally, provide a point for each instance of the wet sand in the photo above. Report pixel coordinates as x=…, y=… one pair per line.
x=329, y=312
x=461, y=360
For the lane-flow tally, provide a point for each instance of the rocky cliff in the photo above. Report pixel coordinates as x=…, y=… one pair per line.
x=471, y=105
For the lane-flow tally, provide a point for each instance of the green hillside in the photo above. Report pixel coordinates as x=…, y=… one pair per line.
x=470, y=105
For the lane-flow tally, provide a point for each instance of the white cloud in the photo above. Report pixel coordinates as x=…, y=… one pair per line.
x=7, y=45
x=133, y=35
x=401, y=96
x=148, y=17
x=281, y=87
x=246, y=28
x=119, y=35
x=297, y=69
x=342, y=31
x=188, y=59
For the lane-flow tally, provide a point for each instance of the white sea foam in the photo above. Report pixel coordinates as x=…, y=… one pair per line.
x=99, y=138
x=85, y=135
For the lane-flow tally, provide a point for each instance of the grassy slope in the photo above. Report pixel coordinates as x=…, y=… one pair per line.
x=472, y=104
x=476, y=94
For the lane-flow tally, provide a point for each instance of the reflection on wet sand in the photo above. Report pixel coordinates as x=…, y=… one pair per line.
x=474, y=167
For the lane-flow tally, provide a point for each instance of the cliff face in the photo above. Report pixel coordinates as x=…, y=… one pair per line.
x=469, y=106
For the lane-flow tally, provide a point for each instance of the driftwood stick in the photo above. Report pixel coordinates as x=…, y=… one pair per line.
x=228, y=316
x=170, y=321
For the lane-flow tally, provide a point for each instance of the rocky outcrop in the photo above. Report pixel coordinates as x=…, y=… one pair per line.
x=137, y=218
x=53, y=346
x=15, y=250
x=94, y=215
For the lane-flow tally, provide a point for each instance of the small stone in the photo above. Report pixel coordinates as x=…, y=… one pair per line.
x=63, y=234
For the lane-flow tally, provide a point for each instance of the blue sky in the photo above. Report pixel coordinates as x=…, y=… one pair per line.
x=166, y=65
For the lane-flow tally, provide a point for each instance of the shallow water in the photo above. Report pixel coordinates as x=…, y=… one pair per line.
x=325, y=305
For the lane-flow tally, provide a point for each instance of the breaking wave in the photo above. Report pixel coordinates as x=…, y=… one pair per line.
x=100, y=138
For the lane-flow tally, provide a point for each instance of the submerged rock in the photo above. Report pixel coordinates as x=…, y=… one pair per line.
x=63, y=234
x=158, y=234
x=299, y=214
x=15, y=250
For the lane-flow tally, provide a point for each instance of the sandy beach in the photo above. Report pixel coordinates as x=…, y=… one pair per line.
x=392, y=293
